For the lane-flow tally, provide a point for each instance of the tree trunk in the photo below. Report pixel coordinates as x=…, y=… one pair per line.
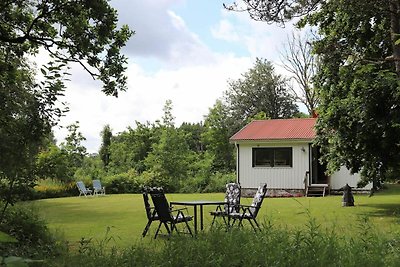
x=395, y=32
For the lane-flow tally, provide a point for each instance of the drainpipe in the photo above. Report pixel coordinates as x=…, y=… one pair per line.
x=237, y=163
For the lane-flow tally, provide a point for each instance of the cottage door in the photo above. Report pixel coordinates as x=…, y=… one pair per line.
x=317, y=175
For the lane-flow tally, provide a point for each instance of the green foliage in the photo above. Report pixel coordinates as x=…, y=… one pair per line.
x=28, y=110
x=91, y=169
x=129, y=148
x=193, y=136
x=358, y=123
x=126, y=182
x=275, y=11
x=170, y=157
x=26, y=115
x=49, y=188
x=73, y=145
x=260, y=90
x=34, y=239
x=89, y=37
x=218, y=130
x=104, y=152
x=273, y=246
x=53, y=163
x=358, y=78
x=62, y=163
x=213, y=182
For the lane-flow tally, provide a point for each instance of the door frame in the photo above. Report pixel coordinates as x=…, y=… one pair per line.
x=317, y=174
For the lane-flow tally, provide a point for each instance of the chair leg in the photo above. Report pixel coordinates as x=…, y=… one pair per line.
x=168, y=230
x=146, y=228
x=212, y=223
x=241, y=221
x=190, y=230
x=252, y=225
x=158, y=229
x=234, y=221
x=173, y=226
x=225, y=221
x=258, y=226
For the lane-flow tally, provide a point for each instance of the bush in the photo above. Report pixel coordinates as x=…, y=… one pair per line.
x=49, y=188
x=126, y=182
x=273, y=246
x=211, y=183
x=92, y=169
x=218, y=182
x=34, y=239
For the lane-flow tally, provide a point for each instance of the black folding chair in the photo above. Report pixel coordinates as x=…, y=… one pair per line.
x=150, y=212
x=166, y=214
x=249, y=212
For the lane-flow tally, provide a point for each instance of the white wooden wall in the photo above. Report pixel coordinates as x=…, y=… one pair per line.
x=275, y=177
x=343, y=176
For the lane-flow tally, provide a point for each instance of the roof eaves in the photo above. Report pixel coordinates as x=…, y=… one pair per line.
x=294, y=140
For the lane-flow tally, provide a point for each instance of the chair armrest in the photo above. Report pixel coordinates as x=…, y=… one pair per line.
x=173, y=210
x=246, y=206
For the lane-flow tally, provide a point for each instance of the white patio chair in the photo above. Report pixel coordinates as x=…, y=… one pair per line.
x=97, y=188
x=82, y=189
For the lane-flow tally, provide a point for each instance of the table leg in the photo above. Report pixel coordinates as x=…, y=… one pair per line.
x=201, y=217
x=195, y=219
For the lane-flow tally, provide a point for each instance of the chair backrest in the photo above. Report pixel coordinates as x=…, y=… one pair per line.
x=97, y=184
x=232, y=196
x=161, y=204
x=258, y=199
x=147, y=204
x=81, y=186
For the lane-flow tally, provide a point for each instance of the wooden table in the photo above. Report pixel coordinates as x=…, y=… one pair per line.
x=195, y=204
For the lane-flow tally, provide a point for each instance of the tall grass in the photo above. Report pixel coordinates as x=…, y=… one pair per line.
x=272, y=246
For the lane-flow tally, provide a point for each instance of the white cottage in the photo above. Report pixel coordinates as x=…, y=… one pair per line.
x=279, y=153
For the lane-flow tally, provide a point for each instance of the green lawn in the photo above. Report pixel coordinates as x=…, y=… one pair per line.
x=90, y=217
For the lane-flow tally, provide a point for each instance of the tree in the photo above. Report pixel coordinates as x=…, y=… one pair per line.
x=260, y=90
x=53, y=163
x=360, y=93
x=193, y=132
x=169, y=160
x=358, y=81
x=70, y=31
x=301, y=63
x=218, y=130
x=104, y=152
x=282, y=11
x=130, y=148
x=26, y=117
x=275, y=11
x=73, y=147
x=168, y=120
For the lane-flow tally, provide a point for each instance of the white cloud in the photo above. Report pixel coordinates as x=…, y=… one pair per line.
x=161, y=33
x=192, y=89
x=260, y=39
x=225, y=31
x=193, y=76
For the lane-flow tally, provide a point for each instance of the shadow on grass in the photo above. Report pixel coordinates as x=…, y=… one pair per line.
x=383, y=210
x=390, y=189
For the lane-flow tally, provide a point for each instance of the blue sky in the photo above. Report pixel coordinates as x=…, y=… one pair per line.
x=183, y=50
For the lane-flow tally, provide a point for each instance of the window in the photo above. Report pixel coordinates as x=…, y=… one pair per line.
x=272, y=157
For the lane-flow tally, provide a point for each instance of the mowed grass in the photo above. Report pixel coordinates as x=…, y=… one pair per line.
x=124, y=215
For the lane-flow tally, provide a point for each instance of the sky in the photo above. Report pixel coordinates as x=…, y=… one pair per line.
x=185, y=51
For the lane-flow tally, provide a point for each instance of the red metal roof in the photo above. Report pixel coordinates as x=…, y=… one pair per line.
x=280, y=129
